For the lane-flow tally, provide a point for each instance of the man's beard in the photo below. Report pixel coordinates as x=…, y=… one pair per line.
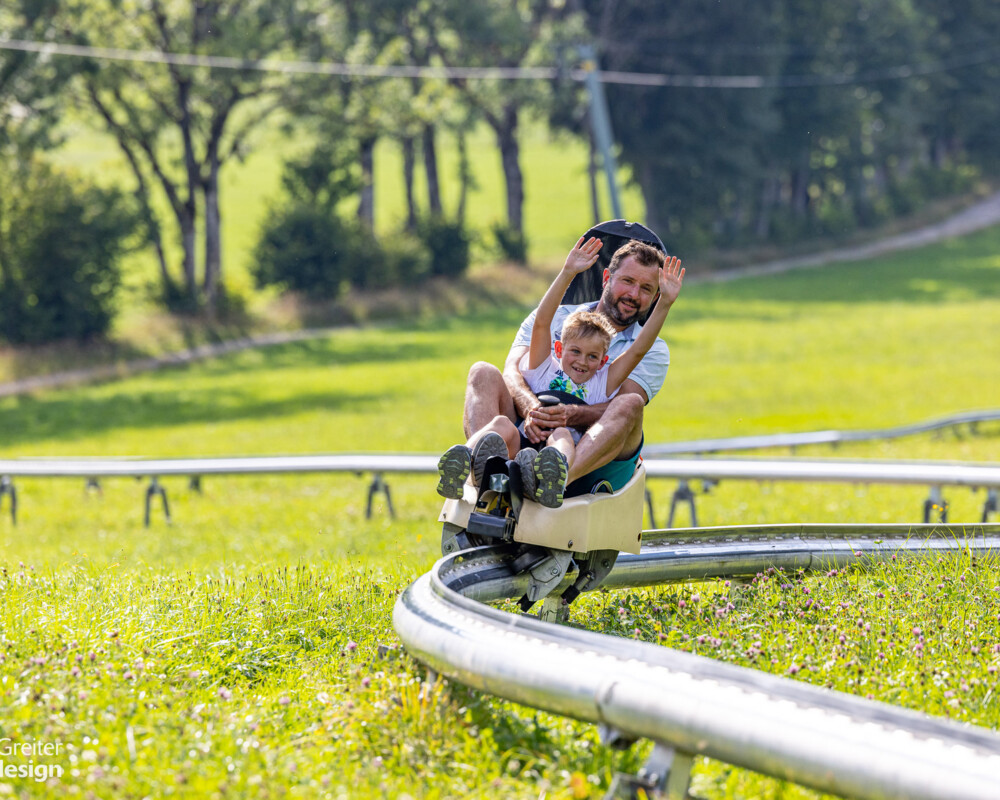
x=617, y=315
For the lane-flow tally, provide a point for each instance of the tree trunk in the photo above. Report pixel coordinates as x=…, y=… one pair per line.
x=431, y=169
x=366, y=206
x=464, y=177
x=655, y=221
x=768, y=197
x=149, y=217
x=409, y=160
x=800, y=189
x=940, y=152
x=186, y=222
x=213, y=239
x=506, y=130
x=188, y=216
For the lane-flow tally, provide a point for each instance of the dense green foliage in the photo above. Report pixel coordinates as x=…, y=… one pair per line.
x=512, y=245
x=776, y=122
x=247, y=648
x=447, y=241
x=61, y=243
x=861, y=110
x=306, y=249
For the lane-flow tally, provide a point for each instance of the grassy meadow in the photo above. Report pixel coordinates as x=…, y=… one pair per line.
x=246, y=649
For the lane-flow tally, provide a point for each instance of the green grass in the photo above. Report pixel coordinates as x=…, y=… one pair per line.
x=237, y=651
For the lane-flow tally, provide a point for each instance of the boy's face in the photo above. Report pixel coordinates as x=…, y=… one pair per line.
x=581, y=357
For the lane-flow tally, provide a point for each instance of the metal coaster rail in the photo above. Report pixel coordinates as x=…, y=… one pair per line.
x=970, y=419
x=690, y=705
x=709, y=470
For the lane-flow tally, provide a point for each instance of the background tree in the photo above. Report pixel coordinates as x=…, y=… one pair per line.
x=961, y=115
x=498, y=33
x=30, y=84
x=693, y=152
x=30, y=93
x=178, y=125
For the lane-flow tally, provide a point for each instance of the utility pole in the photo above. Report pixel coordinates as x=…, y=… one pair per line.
x=600, y=122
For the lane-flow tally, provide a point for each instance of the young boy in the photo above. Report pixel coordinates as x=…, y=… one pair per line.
x=578, y=367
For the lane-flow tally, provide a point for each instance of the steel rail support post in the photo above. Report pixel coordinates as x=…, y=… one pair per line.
x=649, y=507
x=379, y=485
x=936, y=501
x=990, y=506
x=600, y=121
x=682, y=494
x=666, y=775
x=155, y=488
x=554, y=610
x=7, y=488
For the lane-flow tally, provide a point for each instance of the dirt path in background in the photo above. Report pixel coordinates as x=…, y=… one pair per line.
x=978, y=216
x=974, y=218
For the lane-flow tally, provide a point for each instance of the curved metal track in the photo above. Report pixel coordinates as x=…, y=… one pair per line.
x=832, y=437
x=826, y=740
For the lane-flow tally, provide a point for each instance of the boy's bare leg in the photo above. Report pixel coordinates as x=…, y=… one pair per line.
x=562, y=440
x=617, y=432
x=551, y=468
x=486, y=397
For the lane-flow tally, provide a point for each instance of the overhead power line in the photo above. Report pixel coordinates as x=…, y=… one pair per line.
x=898, y=72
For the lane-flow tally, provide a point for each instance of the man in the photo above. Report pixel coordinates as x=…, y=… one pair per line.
x=609, y=448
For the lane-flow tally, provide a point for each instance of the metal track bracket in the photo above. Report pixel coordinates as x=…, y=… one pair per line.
x=666, y=775
x=7, y=488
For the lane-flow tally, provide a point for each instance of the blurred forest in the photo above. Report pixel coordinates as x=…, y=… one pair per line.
x=742, y=123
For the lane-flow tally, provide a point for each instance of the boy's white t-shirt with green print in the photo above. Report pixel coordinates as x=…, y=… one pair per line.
x=549, y=375
x=650, y=372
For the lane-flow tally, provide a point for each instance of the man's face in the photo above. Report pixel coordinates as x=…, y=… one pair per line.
x=629, y=293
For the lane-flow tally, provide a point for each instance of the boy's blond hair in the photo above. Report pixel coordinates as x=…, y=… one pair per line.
x=586, y=324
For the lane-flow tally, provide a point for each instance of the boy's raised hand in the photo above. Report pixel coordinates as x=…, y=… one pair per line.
x=671, y=278
x=583, y=255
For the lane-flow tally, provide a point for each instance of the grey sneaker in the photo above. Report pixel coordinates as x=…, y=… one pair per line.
x=492, y=444
x=526, y=462
x=550, y=470
x=454, y=467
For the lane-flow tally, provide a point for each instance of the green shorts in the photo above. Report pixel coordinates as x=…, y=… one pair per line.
x=617, y=473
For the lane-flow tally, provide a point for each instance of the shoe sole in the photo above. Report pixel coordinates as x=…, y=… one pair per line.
x=550, y=477
x=526, y=462
x=454, y=468
x=491, y=445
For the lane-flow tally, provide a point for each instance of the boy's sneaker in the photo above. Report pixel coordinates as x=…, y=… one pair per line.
x=492, y=444
x=550, y=470
x=526, y=462
x=454, y=467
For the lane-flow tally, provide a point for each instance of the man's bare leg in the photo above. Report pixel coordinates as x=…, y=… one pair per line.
x=506, y=429
x=486, y=397
x=618, y=432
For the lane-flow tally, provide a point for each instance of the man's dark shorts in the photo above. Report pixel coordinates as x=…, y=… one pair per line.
x=618, y=473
